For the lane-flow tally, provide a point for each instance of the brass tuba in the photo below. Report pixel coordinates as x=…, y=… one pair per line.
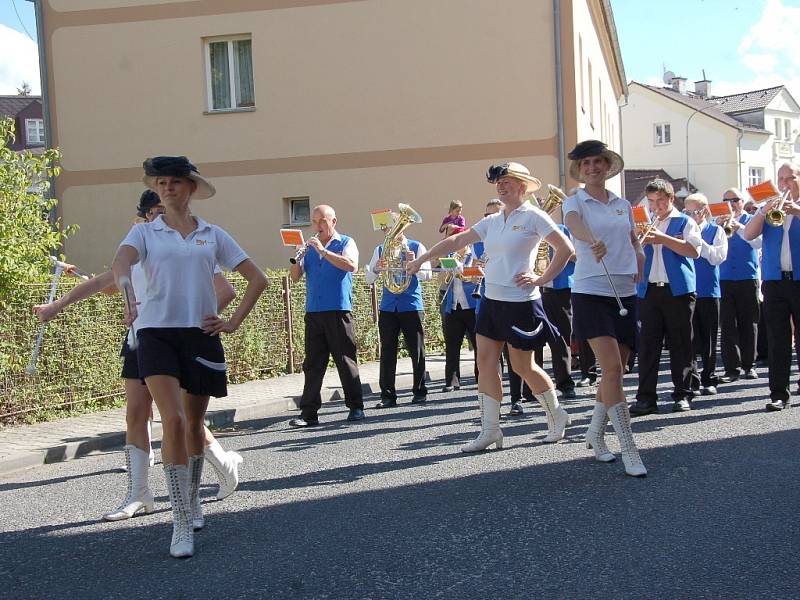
x=555, y=198
x=394, y=277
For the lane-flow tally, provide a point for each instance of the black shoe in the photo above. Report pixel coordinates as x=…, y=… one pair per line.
x=303, y=422
x=386, y=403
x=694, y=393
x=640, y=409
x=516, y=409
x=709, y=390
x=356, y=414
x=418, y=399
x=750, y=374
x=681, y=405
x=585, y=382
x=447, y=388
x=729, y=378
x=569, y=394
x=777, y=405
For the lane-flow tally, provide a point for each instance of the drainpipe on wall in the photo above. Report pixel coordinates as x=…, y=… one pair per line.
x=739, y=158
x=562, y=175
x=622, y=102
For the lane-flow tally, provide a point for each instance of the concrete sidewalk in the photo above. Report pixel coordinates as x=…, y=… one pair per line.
x=31, y=445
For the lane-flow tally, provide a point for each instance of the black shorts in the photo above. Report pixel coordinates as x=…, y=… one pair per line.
x=195, y=359
x=497, y=319
x=598, y=316
x=130, y=361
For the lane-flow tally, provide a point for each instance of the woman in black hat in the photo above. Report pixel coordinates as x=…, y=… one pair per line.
x=177, y=324
x=138, y=408
x=609, y=262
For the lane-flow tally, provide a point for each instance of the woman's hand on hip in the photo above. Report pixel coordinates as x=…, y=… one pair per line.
x=214, y=325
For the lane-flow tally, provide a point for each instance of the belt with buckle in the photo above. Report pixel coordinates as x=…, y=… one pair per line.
x=658, y=283
x=787, y=275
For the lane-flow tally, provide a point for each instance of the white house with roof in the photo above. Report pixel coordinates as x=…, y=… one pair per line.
x=714, y=142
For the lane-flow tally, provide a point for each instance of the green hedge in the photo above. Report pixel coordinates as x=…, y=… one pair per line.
x=79, y=367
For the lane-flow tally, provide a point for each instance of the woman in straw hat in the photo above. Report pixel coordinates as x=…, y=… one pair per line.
x=177, y=324
x=602, y=225
x=138, y=406
x=511, y=308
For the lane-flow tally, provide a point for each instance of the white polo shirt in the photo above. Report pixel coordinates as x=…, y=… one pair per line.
x=690, y=233
x=510, y=245
x=179, y=272
x=611, y=223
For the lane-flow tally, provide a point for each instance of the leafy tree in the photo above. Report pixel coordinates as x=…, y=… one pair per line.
x=25, y=89
x=27, y=237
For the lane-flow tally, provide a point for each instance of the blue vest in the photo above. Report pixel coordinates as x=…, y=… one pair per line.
x=447, y=303
x=707, y=274
x=409, y=300
x=772, y=241
x=477, y=248
x=327, y=288
x=742, y=260
x=680, y=269
x=564, y=279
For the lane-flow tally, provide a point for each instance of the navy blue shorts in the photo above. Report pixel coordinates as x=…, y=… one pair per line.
x=497, y=320
x=598, y=316
x=194, y=358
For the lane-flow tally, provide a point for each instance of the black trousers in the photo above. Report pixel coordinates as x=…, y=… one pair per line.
x=517, y=387
x=663, y=314
x=330, y=333
x=558, y=308
x=782, y=305
x=390, y=324
x=587, y=361
x=738, y=317
x=457, y=323
x=705, y=325
x=762, y=346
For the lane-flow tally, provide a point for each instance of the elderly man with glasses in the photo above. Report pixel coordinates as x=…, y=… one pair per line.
x=739, y=305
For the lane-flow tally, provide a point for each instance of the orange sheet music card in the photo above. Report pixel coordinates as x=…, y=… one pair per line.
x=720, y=209
x=472, y=272
x=763, y=191
x=641, y=214
x=292, y=237
x=381, y=218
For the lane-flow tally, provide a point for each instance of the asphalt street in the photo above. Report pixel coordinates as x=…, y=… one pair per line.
x=390, y=509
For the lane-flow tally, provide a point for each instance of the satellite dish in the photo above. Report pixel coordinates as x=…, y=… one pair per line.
x=668, y=77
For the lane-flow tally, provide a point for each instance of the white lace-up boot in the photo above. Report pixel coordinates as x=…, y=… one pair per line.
x=621, y=420
x=139, y=496
x=150, y=442
x=177, y=476
x=490, y=426
x=595, y=435
x=226, y=465
x=195, y=475
x=557, y=418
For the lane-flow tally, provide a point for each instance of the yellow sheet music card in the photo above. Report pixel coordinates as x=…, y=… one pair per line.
x=381, y=218
x=292, y=237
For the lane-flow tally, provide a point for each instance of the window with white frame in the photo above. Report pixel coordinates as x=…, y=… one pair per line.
x=755, y=176
x=787, y=129
x=229, y=73
x=591, y=93
x=299, y=210
x=34, y=131
x=778, y=129
x=580, y=62
x=663, y=135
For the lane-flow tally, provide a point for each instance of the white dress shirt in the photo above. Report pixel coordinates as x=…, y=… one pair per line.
x=716, y=252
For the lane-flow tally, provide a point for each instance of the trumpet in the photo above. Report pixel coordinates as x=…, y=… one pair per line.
x=301, y=251
x=727, y=226
x=776, y=216
x=645, y=229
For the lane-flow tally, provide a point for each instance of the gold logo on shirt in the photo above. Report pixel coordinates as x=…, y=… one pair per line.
x=201, y=242
x=620, y=212
x=518, y=228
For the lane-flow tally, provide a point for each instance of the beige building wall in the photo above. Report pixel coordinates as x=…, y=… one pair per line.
x=360, y=104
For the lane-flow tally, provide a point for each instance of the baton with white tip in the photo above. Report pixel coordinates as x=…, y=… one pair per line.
x=31, y=368
x=73, y=271
x=127, y=292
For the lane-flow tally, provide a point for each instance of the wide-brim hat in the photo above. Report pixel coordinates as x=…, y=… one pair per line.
x=594, y=148
x=176, y=166
x=515, y=170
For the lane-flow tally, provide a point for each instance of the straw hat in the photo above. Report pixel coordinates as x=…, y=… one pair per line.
x=594, y=148
x=515, y=170
x=176, y=166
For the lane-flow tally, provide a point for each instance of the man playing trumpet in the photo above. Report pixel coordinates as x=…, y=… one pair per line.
x=780, y=264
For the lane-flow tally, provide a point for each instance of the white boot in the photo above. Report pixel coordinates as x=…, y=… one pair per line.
x=621, y=420
x=177, y=476
x=150, y=442
x=557, y=418
x=490, y=426
x=226, y=464
x=595, y=435
x=139, y=496
x=195, y=475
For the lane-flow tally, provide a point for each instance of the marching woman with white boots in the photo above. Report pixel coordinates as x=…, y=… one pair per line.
x=511, y=308
x=178, y=327
x=138, y=409
x=609, y=262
